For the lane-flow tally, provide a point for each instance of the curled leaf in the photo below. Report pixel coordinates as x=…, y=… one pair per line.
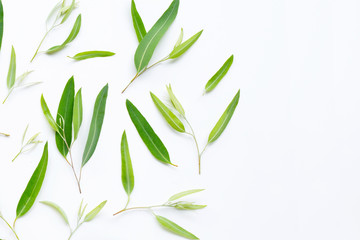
x=91, y=215
x=127, y=174
x=174, y=228
x=78, y=113
x=183, y=47
x=184, y=193
x=137, y=22
x=92, y=54
x=213, y=82
x=58, y=209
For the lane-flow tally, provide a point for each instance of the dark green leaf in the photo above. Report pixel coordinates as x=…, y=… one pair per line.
x=183, y=47
x=174, y=228
x=1, y=23
x=12, y=69
x=147, y=46
x=96, y=124
x=48, y=115
x=127, y=174
x=224, y=119
x=58, y=209
x=92, y=54
x=78, y=113
x=33, y=188
x=64, y=118
x=91, y=215
x=213, y=82
x=147, y=134
x=137, y=22
x=184, y=193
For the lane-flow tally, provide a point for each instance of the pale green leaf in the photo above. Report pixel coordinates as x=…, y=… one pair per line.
x=183, y=47
x=184, y=193
x=175, y=102
x=92, y=54
x=127, y=174
x=58, y=209
x=220, y=74
x=91, y=215
x=12, y=69
x=78, y=113
x=174, y=228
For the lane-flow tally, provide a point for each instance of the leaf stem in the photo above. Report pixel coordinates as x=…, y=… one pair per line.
x=196, y=143
x=18, y=154
x=135, y=208
x=11, y=228
x=42, y=40
x=72, y=232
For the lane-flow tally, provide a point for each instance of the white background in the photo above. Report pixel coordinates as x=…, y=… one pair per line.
x=287, y=166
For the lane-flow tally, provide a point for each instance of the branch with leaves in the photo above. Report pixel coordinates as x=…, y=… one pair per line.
x=30, y=144
x=69, y=120
x=127, y=176
x=148, y=41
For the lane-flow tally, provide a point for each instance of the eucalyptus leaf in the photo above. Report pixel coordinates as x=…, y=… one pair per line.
x=74, y=32
x=148, y=44
x=34, y=186
x=127, y=174
x=147, y=134
x=91, y=215
x=1, y=23
x=92, y=54
x=12, y=69
x=78, y=113
x=58, y=209
x=184, y=193
x=64, y=118
x=47, y=114
x=169, y=116
x=180, y=39
x=213, y=82
x=174, y=228
x=96, y=124
x=183, y=47
x=175, y=102
x=188, y=206
x=137, y=22
x=224, y=119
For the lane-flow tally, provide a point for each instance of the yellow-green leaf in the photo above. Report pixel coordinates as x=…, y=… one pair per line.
x=47, y=114
x=220, y=74
x=174, y=228
x=91, y=215
x=183, y=47
x=127, y=174
x=78, y=113
x=92, y=54
x=12, y=69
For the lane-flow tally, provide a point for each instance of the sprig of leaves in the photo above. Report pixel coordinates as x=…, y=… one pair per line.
x=28, y=145
x=176, y=119
x=81, y=218
x=69, y=119
x=148, y=41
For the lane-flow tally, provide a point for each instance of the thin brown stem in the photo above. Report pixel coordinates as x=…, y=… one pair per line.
x=134, y=208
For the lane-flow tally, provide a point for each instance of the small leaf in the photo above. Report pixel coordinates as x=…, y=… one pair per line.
x=24, y=134
x=58, y=209
x=175, y=102
x=48, y=115
x=64, y=118
x=137, y=22
x=92, y=54
x=12, y=69
x=182, y=48
x=78, y=113
x=180, y=39
x=33, y=188
x=1, y=22
x=127, y=174
x=22, y=77
x=148, y=44
x=224, y=119
x=184, y=193
x=174, y=228
x=188, y=206
x=147, y=134
x=169, y=116
x=68, y=11
x=91, y=215
x=74, y=32
x=213, y=82
x=96, y=124
x=53, y=12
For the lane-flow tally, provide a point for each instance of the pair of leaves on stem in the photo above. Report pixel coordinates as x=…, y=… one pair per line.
x=81, y=219
x=127, y=176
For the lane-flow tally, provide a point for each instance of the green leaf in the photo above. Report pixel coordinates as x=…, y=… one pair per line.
x=175, y=102
x=22, y=77
x=1, y=23
x=96, y=124
x=12, y=69
x=213, y=82
x=74, y=32
x=92, y=54
x=91, y=215
x=147, y=46
x=187, y=206
x=182, y=48
x=64, y=118
x=169, y=116
x=58, y=209
x=33, y=188
x=78, y=113
x=147, y=134
x=137, y=22
x=127, y=174
x=184, y=193
x=224, y=119
x=68, y=11
x=47, y=114
x=180, y=39
x=174, y=228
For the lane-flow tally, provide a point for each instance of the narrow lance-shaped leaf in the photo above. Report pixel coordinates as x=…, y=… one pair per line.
x=127, y=174
x=78, y=113
x=147, y=134
x=137, y=22
x=174, y=228
x=224, y=119
x=58, y=209
x=175, y=102
x=169, y=116
x=147, y=46
x=64, y=118
x=12, y=69
x=183, y=47
x=96, y=124
x=47, y=114
x=184, y=193
x=1, y=23
x=74, y=32
x=68, y=11
x=213, y=82
x=187, y=206
x=33, y=188
x=180, y=39
x=91, y=215
x=92, y=54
